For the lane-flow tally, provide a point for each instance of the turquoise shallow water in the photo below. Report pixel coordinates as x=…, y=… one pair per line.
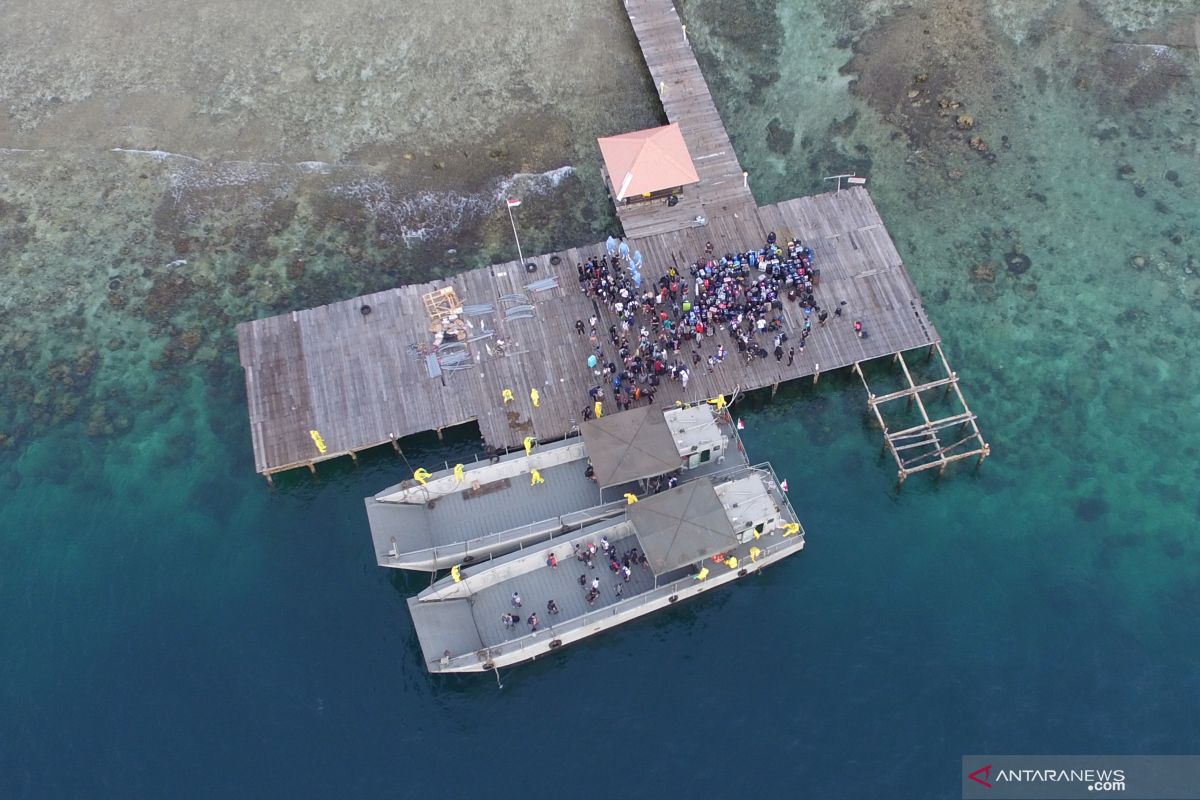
x=172, y=627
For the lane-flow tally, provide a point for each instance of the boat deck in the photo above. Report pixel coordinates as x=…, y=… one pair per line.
x=459, y=624
x=560, y=584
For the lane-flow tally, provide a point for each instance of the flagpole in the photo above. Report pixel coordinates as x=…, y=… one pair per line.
x=516, y=238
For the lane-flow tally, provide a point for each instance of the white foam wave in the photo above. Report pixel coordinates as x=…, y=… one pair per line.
x=157, y=155
x=320, y=167
x=422, y=215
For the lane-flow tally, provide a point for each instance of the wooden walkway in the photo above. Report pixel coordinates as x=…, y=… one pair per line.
x=356, y=381
x=340, y=378
x=685, y=98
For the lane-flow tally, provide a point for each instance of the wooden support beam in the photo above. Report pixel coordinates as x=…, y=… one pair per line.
x=940, y=453
x=942, y=355
x=270, y=480
x=910, y=445
x=941, y=423
x=948, y=460
x=353, y=457
x=913, y=386
x=883, y=398
x=312, y=467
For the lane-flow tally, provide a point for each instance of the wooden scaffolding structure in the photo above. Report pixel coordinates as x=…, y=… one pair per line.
x=922, y=447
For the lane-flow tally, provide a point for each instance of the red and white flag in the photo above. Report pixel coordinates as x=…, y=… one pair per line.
x=741, y=425
x=783, y=485
x=513, y=202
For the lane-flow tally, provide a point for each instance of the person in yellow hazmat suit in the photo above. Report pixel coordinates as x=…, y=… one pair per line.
x=599, y=409
x=630, y=498
x=534, y=396
x=507, y=396
x=529, y=440
x=460, y=473
x=456, y=573
x=535, y=478
x=421, y=476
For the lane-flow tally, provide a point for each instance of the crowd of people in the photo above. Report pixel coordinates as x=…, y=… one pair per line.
x=743, y=293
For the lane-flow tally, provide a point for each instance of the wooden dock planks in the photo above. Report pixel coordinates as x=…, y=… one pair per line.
x=358, y=380
x=686, y=100
x=354, y=379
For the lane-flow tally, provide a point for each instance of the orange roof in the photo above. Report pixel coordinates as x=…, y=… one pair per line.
x=647, y=161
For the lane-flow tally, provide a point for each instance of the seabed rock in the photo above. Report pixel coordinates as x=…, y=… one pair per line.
x=983, y=273
x=1018, y=263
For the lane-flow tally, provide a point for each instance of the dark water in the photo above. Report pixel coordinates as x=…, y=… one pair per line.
x=172, y=627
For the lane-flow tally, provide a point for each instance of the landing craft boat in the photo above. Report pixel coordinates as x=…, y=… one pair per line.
x=495, y=508
x=704, y=533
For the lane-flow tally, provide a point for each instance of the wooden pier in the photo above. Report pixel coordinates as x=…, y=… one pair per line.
x=723, y=189
x=337, y=379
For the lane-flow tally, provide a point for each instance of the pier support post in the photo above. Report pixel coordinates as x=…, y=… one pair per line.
x=816, y=373
x=929, y=355
x=270, y=480
x=354, y=457
x=439, y=432
x=396, y=446
x=900, y=476
x=312, y=467
x=774, y=389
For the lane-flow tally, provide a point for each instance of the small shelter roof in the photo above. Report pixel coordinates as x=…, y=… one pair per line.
x=647, y=161
x=630, y=446
x=682, y=526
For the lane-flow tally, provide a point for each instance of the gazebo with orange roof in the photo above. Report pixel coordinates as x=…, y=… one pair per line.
x=649, y=164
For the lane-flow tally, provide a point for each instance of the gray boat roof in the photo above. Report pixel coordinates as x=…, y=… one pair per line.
x=630, y=446
x=682, y=526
